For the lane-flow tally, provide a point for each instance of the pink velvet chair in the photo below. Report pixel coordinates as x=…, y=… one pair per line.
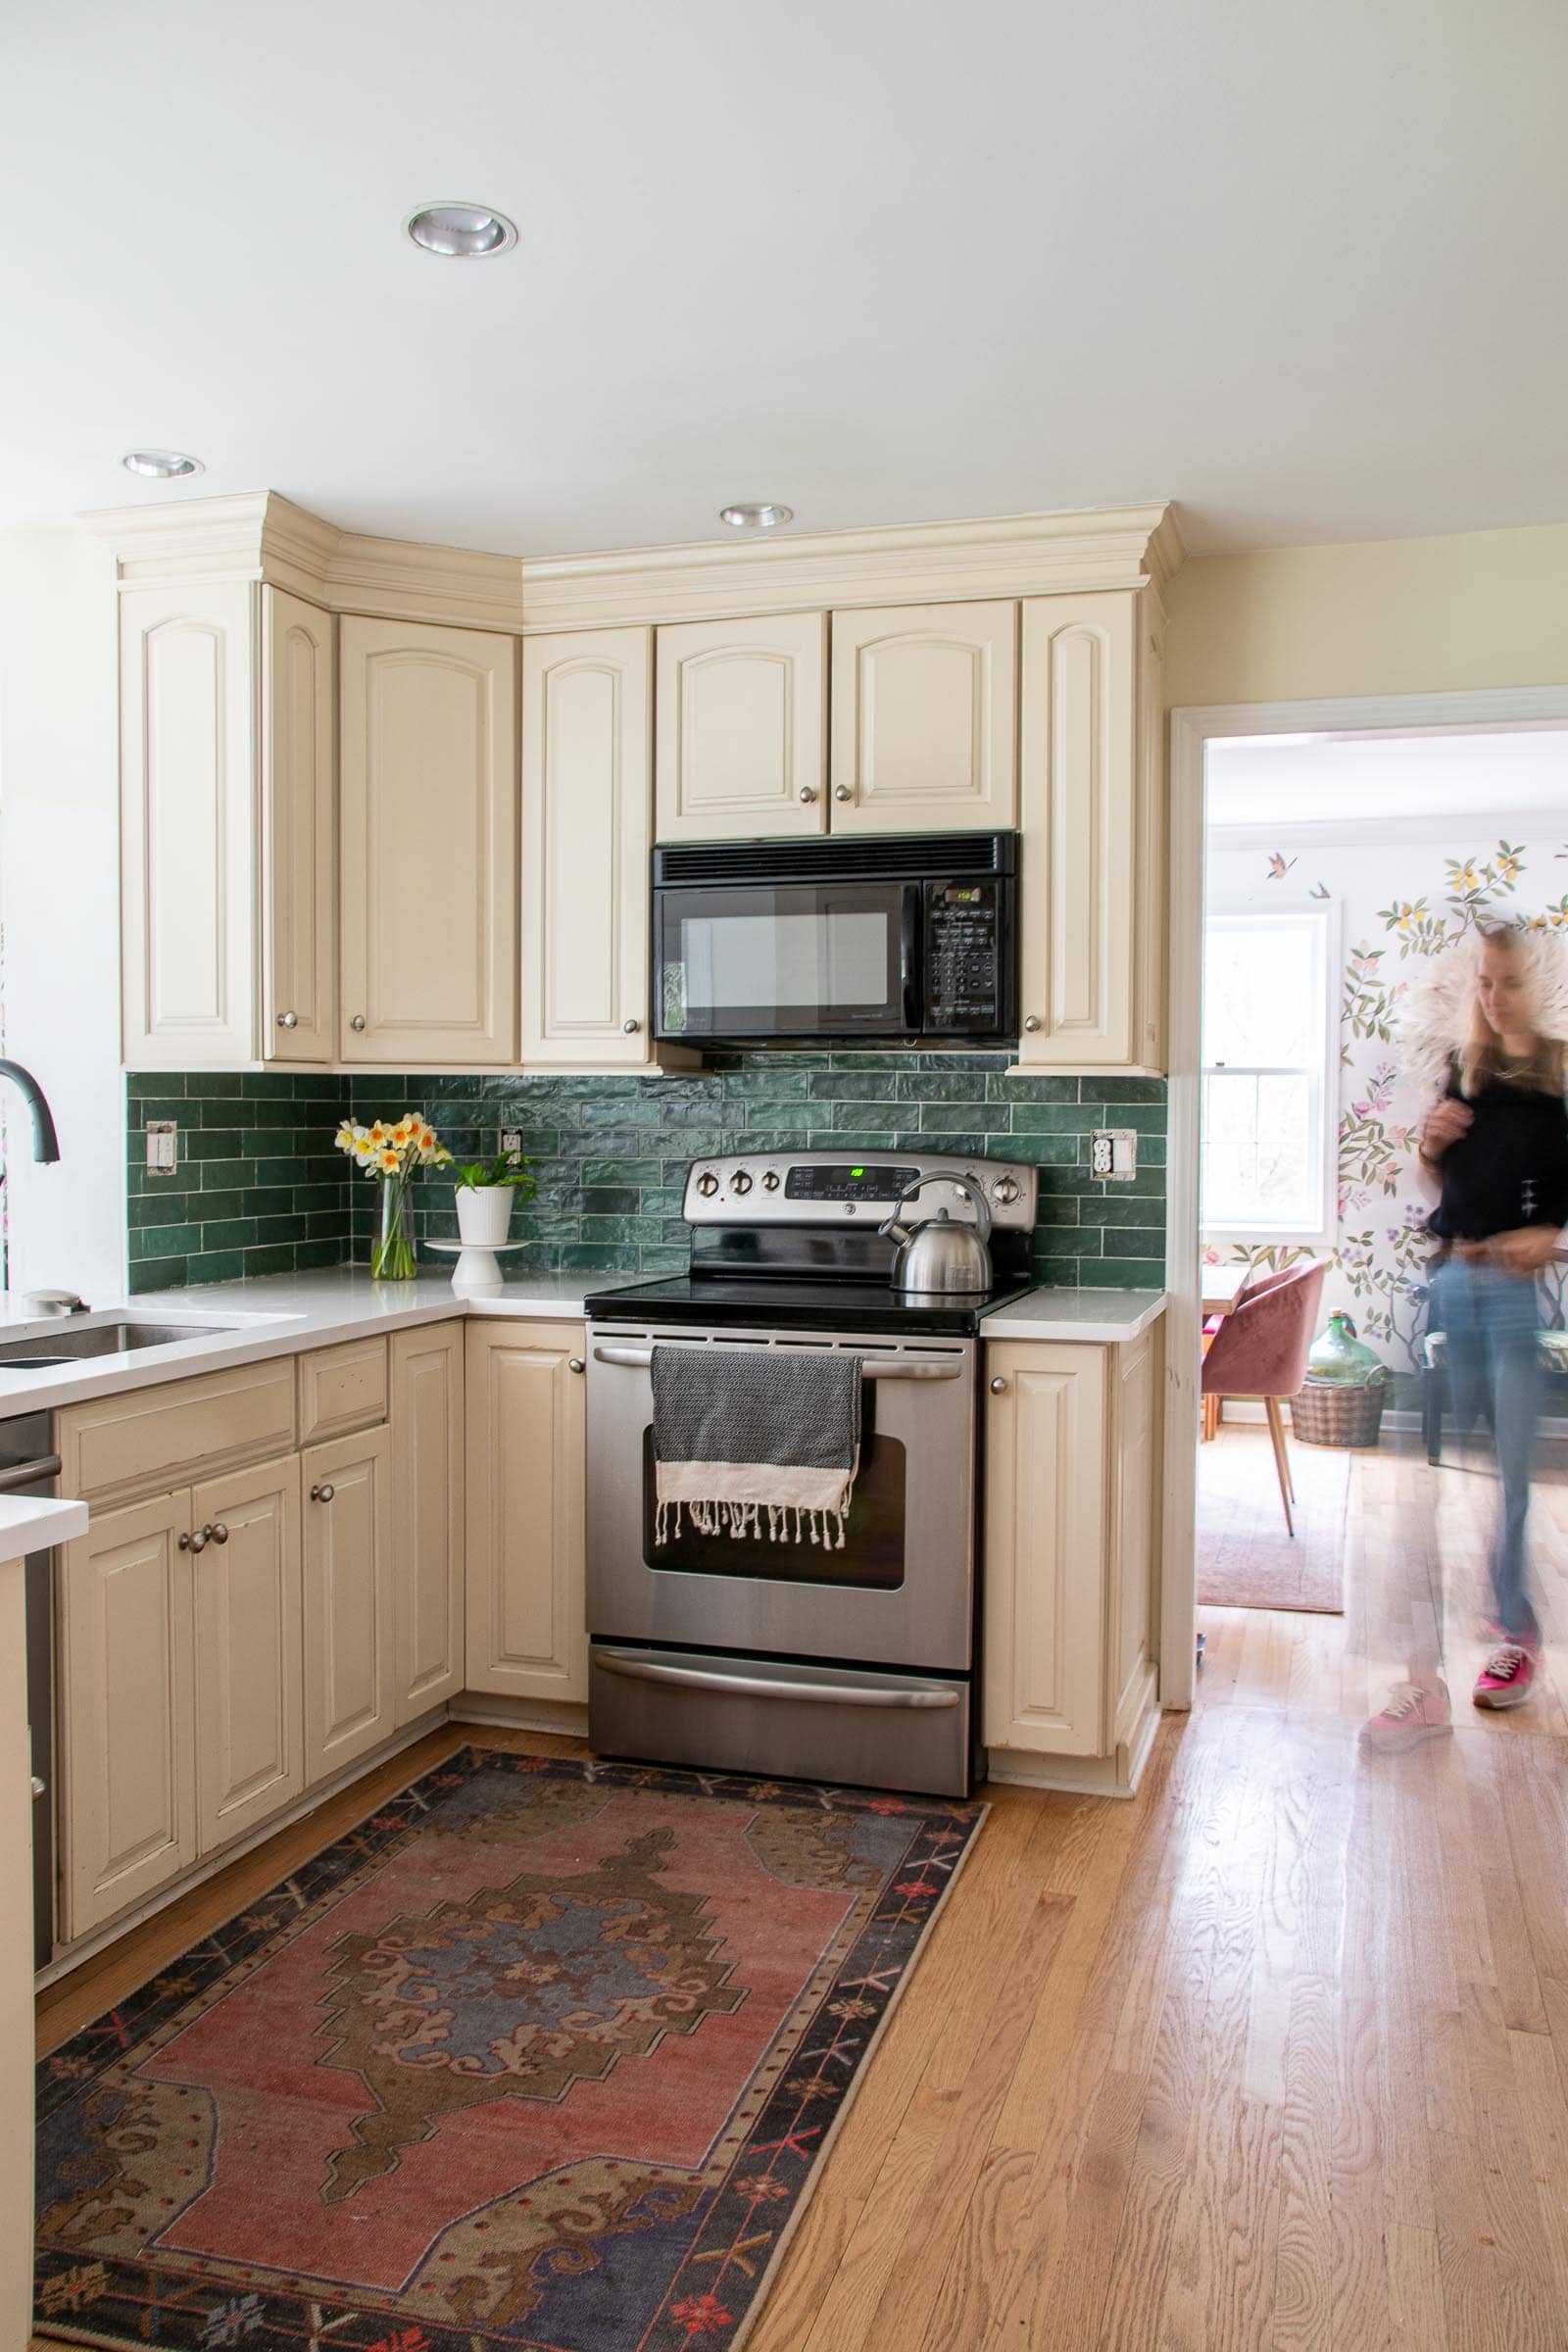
x=1260, y=1351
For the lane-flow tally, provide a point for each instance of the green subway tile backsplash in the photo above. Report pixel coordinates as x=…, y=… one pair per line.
x=260, y=1189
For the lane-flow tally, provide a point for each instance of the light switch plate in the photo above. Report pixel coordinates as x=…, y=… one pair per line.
x=1113, y=1153
x=162, y=1147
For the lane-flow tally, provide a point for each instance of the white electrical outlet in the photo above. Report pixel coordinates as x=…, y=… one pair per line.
x=511, y=1139
x=162, y=1147
x=1113, y=1153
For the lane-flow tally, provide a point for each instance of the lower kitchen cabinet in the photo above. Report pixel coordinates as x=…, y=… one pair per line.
x=1072, y=1468
x=350, y=1661
x=427, y=1518
x=250, y=1733
x=526, y=1425
x=127, y=1692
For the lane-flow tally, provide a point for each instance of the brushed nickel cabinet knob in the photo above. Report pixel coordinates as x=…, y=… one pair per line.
x=358, y=1021
x=1031, y=1023
x=574, y=1364
x=219, y=1533
x=842, y=792
x=198, y=1541
x=807, y=792
x=288, y=1020
x=631, y=1028
x=999, y=1386
x=322, y=1494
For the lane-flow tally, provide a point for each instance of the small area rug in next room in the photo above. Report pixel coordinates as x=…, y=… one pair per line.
x=1245, y=1559
x=545, y=2054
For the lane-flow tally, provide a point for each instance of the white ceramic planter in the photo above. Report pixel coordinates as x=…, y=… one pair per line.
x=484, y=1213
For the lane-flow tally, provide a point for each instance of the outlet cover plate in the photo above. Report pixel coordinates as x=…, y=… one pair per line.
x=162, y=1147
x=1113, y=1153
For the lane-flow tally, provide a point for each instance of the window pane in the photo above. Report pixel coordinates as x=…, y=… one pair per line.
x=1261, y=994
x=1261, y=1162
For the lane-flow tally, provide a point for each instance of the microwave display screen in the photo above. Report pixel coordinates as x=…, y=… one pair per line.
x=829, y=957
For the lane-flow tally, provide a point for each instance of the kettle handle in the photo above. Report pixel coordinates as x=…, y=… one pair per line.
x=964, y=1184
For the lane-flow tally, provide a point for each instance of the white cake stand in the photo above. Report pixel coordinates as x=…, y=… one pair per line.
x=476, y=1269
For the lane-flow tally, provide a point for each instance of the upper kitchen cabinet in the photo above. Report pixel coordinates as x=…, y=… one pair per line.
x=587, y=820
x=742, y=728
x=925, y=727
x=428, y=792
x=227, y=723
x=1093, y=848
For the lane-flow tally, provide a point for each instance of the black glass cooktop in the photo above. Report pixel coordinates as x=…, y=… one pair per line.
x=771, y=1304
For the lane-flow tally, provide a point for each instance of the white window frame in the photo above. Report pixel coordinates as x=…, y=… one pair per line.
x=1323, y=919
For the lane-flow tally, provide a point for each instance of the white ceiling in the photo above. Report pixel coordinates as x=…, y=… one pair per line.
x=1298, y=268
x=1359, y=780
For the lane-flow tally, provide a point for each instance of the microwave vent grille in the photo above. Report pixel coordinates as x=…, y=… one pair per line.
x=883, y=856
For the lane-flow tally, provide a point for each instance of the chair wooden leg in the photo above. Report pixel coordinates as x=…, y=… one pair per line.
x=1282, y=1460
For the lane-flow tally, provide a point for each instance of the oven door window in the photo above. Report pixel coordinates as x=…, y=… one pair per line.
x=872, y=1557
x=801, y=960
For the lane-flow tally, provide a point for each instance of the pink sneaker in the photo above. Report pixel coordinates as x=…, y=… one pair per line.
x=1409, y=1714
x=1508, y=1677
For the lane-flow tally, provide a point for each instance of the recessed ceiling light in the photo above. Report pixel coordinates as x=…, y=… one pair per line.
x=757, y=518
x=161, y=465
x=460, y=232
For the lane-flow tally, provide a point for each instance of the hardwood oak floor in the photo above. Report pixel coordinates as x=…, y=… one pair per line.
x=1273, y=2055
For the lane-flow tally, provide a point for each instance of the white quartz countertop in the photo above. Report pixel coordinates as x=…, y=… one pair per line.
x=279, y=1314
x=1049, y=1312
x=32, y=1523
x=283, y=1314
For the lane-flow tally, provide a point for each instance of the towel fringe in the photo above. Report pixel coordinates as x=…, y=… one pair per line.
x=743, y=1521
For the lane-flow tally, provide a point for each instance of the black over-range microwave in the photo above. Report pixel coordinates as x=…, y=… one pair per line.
x=901, y=936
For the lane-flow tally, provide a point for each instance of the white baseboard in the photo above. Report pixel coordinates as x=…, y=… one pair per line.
x=1248, y=1410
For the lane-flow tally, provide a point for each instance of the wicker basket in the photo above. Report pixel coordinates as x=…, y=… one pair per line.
x=1325, y=1412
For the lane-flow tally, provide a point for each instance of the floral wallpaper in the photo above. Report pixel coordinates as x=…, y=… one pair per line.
x=1401, y=906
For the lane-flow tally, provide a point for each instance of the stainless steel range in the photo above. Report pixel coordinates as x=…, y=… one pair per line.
x=852, y=1664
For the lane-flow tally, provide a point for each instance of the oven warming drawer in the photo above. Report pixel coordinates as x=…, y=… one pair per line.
x=764, y=1716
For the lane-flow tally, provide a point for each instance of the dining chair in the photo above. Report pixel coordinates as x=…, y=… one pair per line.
x=1260, y=1351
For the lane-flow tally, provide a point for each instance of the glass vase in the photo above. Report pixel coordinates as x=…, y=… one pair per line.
x=392, y=1252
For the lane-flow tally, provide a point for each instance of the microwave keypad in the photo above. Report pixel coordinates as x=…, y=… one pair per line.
x=961, y=954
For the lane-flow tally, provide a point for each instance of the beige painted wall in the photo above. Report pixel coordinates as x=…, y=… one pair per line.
x=1383, y=617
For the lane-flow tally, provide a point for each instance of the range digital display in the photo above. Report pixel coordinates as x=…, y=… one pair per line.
x=855, y=1180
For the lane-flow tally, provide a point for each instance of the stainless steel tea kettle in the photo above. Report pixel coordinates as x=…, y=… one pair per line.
x=938, y=1255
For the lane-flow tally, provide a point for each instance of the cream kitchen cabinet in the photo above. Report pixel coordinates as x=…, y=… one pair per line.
x=587, y=821
x=427, y=1518
x=350, y=1656
x=925, y=719
x=1093, y=850
x=127, y=1737
x=1071, y=1481
x=250, y=1731
x=429, y=845
x=527, y=1622
x=180, y=1684
x=742, y=728
x=227, y=826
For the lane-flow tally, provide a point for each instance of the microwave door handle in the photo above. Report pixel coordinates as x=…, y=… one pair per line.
x=909, y=929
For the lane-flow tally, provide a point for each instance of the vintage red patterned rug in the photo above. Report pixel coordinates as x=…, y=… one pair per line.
x=546, y=2055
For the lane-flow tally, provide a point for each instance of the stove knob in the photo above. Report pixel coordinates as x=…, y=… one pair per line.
x=739, y=1182
x=708, y=1183
x=1005, y=1190
x=770, y=1181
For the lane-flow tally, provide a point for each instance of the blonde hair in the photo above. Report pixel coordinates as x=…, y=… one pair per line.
x=1483, y=1061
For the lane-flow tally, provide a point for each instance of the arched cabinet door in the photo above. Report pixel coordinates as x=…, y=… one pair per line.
x=926, y=736
x=428, y=799
x=742, y=728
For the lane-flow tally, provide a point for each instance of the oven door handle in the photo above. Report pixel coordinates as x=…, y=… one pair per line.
x=872, y=1367
x=749, y=1686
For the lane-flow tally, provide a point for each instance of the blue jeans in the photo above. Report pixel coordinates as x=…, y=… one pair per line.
x=1491, y=1321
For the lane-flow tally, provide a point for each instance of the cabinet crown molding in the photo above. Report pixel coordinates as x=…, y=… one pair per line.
x=261, y=535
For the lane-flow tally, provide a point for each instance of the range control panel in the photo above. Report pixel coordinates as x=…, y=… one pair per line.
x=831, y=1188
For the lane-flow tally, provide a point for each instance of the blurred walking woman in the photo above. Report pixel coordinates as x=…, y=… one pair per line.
x=1495, y=1146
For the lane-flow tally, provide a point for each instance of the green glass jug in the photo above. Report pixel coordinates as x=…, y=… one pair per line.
x=1337, y=1358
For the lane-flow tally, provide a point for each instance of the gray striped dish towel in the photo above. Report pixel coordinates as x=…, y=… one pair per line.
x=756, y=1441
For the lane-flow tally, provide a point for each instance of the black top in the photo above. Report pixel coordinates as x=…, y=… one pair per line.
x=764, y=1304
x=1510, y=1166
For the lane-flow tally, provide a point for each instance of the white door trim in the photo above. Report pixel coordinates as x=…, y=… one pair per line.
x=1192, y=729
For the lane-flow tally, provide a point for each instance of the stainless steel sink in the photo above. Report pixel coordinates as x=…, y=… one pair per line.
x=116, y=1336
